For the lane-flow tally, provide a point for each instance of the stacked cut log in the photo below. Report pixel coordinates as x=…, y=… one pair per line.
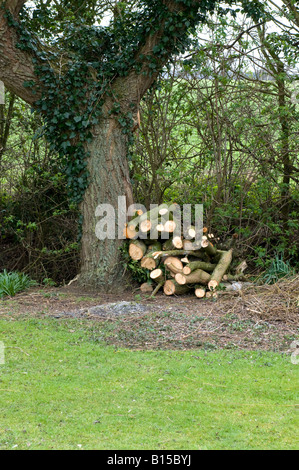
x=176, y=265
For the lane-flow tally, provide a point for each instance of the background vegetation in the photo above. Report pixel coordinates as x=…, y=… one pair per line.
x=220, y=128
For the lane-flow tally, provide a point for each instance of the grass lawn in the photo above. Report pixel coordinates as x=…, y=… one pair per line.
x=60, y=388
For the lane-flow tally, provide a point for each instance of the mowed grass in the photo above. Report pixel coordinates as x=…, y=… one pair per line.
x=62, y=389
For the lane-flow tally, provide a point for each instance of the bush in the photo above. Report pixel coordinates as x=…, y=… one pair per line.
x=277, y=270
x=39, y=226
x=13, y=283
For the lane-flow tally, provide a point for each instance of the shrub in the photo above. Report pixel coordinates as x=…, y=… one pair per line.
x=278, y=269
x=13, y=283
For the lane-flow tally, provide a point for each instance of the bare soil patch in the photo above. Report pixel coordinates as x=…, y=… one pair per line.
x=259, y=317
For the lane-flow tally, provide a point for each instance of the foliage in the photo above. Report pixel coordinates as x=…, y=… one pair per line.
x=72, y=99
x=137, y=274
x=213, y=132
x=74, y=88
x=13, y=283
x=210, y=129
x=38, y=223
x=277, y=270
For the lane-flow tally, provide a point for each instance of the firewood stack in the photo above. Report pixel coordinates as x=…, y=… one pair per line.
x=175, y=264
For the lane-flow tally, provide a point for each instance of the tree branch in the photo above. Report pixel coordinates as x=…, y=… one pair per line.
x=15, y=6
x=16, y=66
x=134, y=86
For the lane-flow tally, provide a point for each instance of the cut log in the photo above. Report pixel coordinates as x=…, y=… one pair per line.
x=212, y=295
x=138, y=213
x=173, y=270
x=174, y=264
x=155, y=246
x=167, y=209
x=151, y=216
x=130, y=233
x=185, y=260
x=137, y=250
x=234, y=277
x=173, y=243
x=197, y=277
x=158, y=276
x=149, y=262
x=191, y=232
x=160, y=228
x=163, y=211
x=188, y=245
x=159, y=286
x=220, y=269
x=186, y=270
x=165, y=254
x=178, y=243
x=146, y=288
x=136, y=210
x=208, y=247
x=173, y=288
x=170, y=226
x=156, y=227
x=200, y=292
x=194, y=265
x=145, y=226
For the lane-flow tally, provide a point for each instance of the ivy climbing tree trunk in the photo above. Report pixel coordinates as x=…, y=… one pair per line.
x=109, y=179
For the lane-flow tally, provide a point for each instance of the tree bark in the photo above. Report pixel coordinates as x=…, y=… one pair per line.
x=16, y=66
x=109, y=178
x=197, y=277
x=5, y=123
x=194, y=265
x=220, y=269
x=173, y=288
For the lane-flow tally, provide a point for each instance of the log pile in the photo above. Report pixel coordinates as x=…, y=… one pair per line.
x=179, y=265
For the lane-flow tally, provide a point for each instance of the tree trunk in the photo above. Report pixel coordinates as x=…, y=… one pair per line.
x=285, y=150
x=109, y=179
x=5, y=124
